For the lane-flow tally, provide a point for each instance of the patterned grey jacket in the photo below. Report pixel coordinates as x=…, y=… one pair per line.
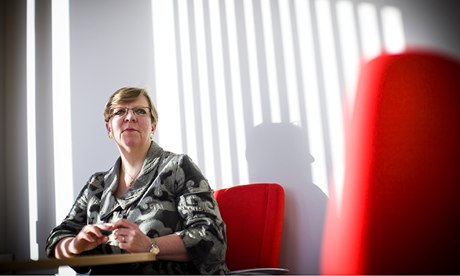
x=170, y=196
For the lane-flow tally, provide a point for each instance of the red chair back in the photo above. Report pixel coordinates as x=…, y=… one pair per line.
x=253, y=215
x=400, y=210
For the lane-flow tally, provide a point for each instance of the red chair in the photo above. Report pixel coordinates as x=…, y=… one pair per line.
x=253, y=215
x=400, y=211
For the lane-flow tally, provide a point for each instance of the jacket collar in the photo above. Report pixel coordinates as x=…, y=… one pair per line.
x=109, y=203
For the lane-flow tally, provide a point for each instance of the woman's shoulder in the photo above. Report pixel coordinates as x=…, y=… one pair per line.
x=98, y=179
x=184, y=163
x=169, y=155
x=177, y=160
x=94, y=185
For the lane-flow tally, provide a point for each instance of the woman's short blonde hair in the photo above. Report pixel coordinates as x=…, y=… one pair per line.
x=127, y=95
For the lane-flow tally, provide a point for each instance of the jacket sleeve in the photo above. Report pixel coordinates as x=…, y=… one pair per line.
x=72, y=224
x=204, y=230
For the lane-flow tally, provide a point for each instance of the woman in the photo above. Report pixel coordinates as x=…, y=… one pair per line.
x=151, y=200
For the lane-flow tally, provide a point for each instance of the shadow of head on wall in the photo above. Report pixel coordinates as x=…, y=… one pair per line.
x=278, y=152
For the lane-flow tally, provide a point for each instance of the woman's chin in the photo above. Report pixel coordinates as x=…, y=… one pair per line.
x=134, y=143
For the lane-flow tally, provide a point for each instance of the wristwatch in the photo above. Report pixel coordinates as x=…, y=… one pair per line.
x=154, y=247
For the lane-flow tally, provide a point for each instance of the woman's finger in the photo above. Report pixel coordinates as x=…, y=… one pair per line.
x=104, y=230
x=124, y=223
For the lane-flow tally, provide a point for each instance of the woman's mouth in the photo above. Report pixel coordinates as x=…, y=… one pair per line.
x=129, y=130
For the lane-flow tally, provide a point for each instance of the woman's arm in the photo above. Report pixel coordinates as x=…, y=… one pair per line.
x=88, y=238
x=64, y=248
x=172, y=248
x=75, y=221
x=132, y=239
x=204, y=234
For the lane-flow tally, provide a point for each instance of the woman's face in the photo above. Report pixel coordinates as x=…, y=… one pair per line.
x=130, y=124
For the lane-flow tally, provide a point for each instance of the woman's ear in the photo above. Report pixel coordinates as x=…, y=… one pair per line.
x=109, y=130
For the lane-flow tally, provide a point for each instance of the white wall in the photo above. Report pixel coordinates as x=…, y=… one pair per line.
x=111, y=47
x=114, y=44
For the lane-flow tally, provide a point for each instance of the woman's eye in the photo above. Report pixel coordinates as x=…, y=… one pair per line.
x=119, y=112
x=140, y=111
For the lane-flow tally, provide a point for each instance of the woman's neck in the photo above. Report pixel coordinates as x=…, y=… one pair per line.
x=132, y=162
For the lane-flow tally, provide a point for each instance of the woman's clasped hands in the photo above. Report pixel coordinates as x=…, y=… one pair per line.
x=127, y=234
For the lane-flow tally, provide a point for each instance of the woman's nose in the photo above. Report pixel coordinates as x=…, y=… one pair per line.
x=130, y=115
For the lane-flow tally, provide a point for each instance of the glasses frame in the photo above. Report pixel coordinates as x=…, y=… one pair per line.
x=127, y=109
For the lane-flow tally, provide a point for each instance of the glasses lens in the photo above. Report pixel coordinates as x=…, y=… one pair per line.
x=118, y=111
x=140, y=111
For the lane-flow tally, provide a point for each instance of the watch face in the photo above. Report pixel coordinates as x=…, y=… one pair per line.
x=154, y=249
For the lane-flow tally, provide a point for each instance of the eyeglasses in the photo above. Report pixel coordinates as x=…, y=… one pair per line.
x=138, y=111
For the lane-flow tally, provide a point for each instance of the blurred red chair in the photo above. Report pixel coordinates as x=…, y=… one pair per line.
x=253, y=215
x=400, y=211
